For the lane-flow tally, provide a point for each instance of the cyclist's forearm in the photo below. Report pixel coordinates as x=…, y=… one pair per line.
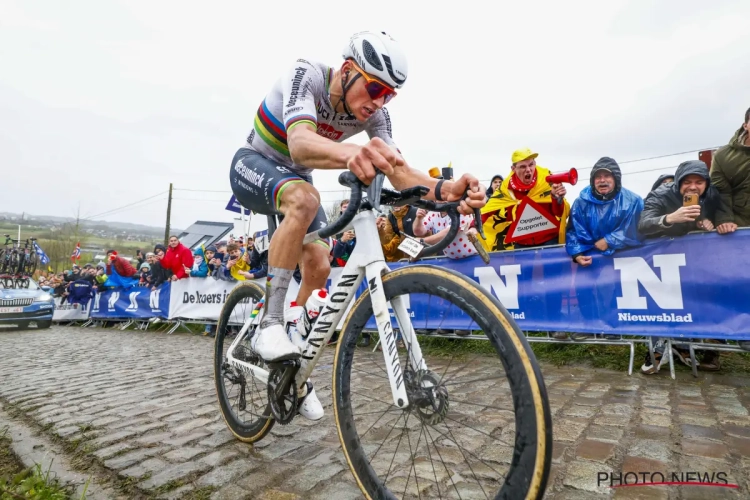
x=313, y=151
x=406, y=177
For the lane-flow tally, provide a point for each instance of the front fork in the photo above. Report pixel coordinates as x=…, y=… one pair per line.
x=380, y=308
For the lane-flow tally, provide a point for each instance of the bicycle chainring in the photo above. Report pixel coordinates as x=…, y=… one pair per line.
x=284, y=408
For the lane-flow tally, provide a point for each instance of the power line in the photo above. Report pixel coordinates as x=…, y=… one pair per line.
x=110, y=212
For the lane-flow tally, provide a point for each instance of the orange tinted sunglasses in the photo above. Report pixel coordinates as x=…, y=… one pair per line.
x=375, y=87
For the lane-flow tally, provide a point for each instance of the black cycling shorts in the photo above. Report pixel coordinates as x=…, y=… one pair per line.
x=258, y=183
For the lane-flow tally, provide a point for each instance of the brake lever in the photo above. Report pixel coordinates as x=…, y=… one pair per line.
x=477, y=218
x=374, y=190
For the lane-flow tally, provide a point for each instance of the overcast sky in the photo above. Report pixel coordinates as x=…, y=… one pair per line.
x=106, y=103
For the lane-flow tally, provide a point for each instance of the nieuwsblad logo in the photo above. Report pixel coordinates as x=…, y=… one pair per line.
x=664, y=290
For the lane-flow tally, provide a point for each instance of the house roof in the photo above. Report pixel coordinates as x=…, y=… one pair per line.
x=204, y=233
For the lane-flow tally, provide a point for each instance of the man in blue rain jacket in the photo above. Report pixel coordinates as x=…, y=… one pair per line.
x=603, y=219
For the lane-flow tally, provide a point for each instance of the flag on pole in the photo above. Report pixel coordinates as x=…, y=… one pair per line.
x=76, y=253
x=42, y=256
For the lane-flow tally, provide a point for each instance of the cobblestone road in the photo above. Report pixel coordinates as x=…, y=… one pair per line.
x=144, y=405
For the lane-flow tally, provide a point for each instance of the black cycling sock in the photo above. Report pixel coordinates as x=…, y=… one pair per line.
x=277, y=283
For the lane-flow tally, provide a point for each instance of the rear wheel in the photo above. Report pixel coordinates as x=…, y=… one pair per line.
x=444, y=445
x=243, y=399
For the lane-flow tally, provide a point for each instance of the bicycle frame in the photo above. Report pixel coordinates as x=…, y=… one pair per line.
x=366, y=260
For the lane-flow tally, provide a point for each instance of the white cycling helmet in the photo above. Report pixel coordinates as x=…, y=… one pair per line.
x=378, y=55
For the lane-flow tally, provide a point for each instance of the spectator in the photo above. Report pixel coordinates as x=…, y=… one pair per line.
x=664, y=215
x=392, y=228
x=139, y=257
x=258, y=263
x=433, y=226
x=528, y=180
x=603, y=219
x=730, y=174
x=178, y=259
x=158, y=274
x=160, y=251
x=662, y=179
x=343, y=248
x=495, y=183
x=120, y=265
x=201, y=259
x=145, y=274
x=238, y=266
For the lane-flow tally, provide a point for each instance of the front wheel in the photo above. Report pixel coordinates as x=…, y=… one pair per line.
x=456, y=438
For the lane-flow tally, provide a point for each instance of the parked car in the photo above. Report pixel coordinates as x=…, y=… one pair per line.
x=23, y=304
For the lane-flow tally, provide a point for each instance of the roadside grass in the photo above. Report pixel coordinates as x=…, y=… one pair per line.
x=33, y=483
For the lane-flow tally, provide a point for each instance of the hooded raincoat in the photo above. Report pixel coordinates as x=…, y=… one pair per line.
x=613, y=217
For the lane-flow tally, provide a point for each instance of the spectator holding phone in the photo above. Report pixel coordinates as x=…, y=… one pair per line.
x=690, y=203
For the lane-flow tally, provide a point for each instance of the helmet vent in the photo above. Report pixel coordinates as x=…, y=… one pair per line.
x=371, y=56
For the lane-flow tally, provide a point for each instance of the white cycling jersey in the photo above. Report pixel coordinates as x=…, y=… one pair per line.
x=302, y=96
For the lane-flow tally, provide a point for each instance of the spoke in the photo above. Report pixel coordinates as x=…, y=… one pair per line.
x=469, y=463
x=467, y=451
x=373, y=399
x=416, y=476
x=375, y=364
x=460, y=370
x=396, y=410
x=370, y=373
x=373, y=425
x=468, y=426
x=450, y=476
x=478, y=404
x=475, y=380
x=384, y=440
x=434, y=473
x=398, y=445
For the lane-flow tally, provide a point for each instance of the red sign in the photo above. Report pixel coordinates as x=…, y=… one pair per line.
x=531, y=219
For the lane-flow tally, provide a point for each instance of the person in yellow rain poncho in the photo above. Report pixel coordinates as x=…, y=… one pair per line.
x=526, y=180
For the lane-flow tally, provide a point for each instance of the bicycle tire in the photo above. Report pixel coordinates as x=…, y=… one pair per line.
x=529, y=470
x=259, y=428
x=31, y=263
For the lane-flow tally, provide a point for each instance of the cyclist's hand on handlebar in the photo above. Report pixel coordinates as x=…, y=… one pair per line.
x=467, y=184
x=376, y=154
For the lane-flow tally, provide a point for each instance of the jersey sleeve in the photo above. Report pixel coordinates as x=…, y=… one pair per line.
x=379, y=125
x=298, y=88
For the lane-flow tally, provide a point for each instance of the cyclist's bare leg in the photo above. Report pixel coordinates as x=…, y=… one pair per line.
x=299, y=204
x=315, y=268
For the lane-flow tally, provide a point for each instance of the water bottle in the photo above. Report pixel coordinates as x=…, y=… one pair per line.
x=315, y=303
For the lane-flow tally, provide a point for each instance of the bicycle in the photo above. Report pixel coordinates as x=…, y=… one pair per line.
x=415, y=388
x=17, y=261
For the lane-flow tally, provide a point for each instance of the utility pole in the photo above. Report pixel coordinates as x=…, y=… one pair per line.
x=169, y=213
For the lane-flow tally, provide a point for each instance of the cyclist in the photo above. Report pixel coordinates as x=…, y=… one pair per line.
x=298, y=128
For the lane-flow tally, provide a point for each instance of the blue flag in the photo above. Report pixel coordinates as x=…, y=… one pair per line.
x=42, y=256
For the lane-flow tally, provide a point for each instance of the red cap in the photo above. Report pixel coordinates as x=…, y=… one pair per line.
x=293, y=304
x=322, y=293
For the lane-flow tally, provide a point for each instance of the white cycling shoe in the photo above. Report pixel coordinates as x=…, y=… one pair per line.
x=310, y=406
x=273, y=344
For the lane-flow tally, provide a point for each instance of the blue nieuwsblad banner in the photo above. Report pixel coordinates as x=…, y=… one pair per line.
x=132, y=303
x=693, y=286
